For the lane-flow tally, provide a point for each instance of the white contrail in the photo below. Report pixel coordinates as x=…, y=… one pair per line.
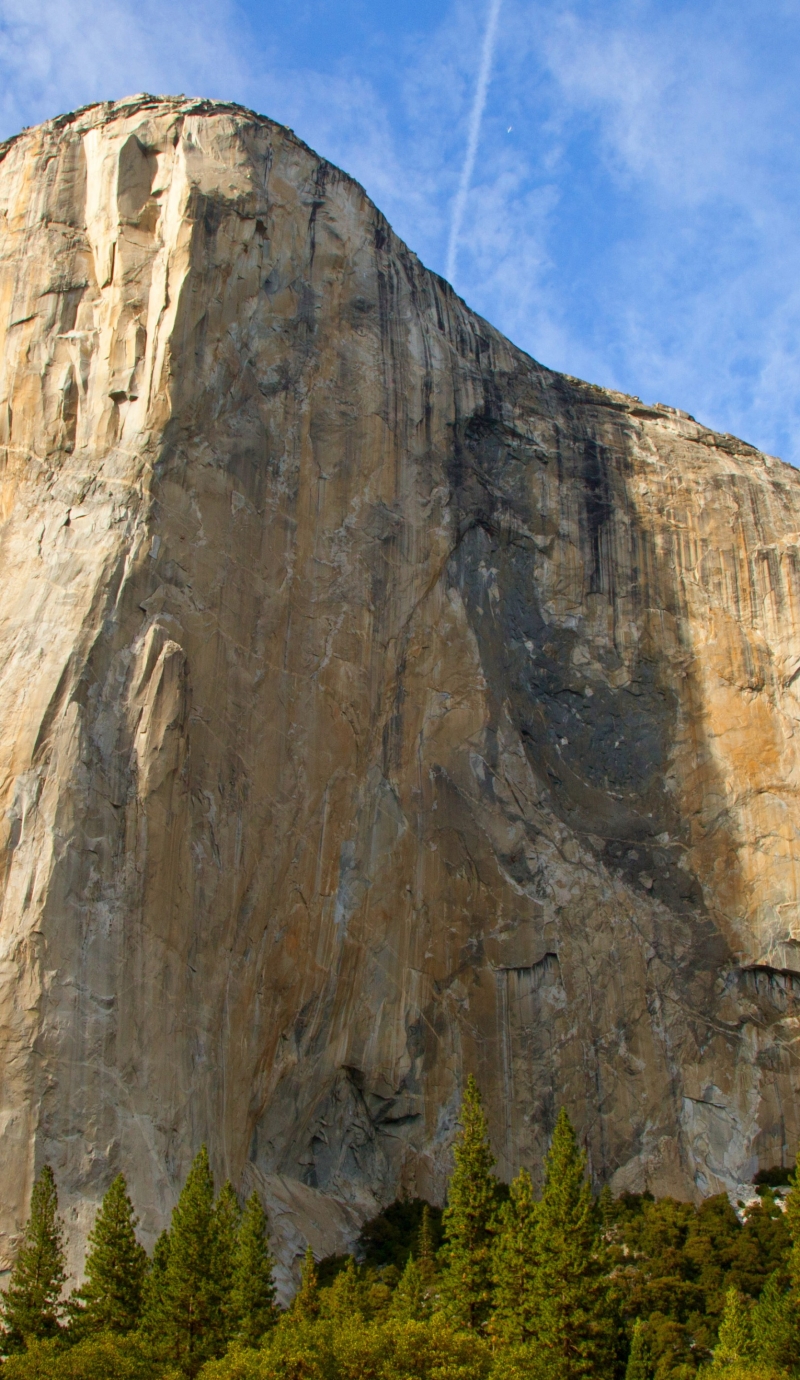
x=487, y=53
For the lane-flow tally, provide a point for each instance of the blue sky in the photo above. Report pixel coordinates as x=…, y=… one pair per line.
x=633, y=214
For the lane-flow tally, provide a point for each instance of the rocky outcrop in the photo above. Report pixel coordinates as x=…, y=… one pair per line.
x=376, y=706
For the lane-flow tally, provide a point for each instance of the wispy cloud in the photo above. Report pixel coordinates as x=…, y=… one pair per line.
x=56, y=56
x=476, y=117
x=628, y=203
x=691, y=120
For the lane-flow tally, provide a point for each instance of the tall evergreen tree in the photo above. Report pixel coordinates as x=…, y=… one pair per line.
x=605, y=1208
x=774, y=1329
x=31, y=1306
x=413, y=1297
x=793, y=1223
x=110, y=1300
x=789, y=1344
x=225, y=1228
x=515, y=1264
x=153, y=1293
x=411, y=1301
x=569, y=1310
x=426, y=1259
x=185, y=1313
x=306, y=1301
x=253, y=1306
x=346, y=1296
x=735, y=1342
x=426, y=1251
x=470, y=1219
x=640, y=1362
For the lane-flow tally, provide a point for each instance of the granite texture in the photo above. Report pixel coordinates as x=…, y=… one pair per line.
x=376, y=706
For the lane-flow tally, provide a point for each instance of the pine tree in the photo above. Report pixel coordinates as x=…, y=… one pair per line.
x=788, y=1344
x=469, y=1219
x=110, y=1300
x=515, y=1263
x=185, y=1313
x=793, y=1223
x=426, y=1251
x=735, y=1341
x=640, y=1363
x=411, y=1300
x=225, y=1227
x=426, y=1259
x=568, y=1307
x=31, y=1307
x=153, y=1294
x=605, y=1208
x=413, y=1297
x=306, y=1300
x=774, y=1332
x=346, y=1297
x=253, y=1304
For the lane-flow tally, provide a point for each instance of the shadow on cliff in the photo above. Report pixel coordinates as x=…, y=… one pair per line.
x=552, y=589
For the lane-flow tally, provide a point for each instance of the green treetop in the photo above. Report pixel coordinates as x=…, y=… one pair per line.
x=413, y=1297
x=252, y=1299
x=154, y=1285
x=774, y=1331
x=735, y=1341
x=426, y=1250
x=306, y=1300
x=346, y=1297
x=640, y=1364
x=411, y=1301
x=186, y=1315
x=568, y=1310
x=110, y=1300
x=225, y=1229
x=793, y=1223
x=515, y=1263
x=469, y=1219
x=426, y=1258
x=31, y=1307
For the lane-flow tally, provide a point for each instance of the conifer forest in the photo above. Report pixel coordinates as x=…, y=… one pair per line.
x=501, y=1285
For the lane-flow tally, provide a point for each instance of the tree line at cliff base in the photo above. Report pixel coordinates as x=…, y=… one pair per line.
x=500, y=1286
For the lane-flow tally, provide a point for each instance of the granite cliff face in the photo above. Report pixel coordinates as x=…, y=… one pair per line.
x=376, y=706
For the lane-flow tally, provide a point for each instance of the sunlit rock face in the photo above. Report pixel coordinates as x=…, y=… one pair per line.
x=376, y=706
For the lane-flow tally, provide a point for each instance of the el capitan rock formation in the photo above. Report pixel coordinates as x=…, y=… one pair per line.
x=376, y=706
